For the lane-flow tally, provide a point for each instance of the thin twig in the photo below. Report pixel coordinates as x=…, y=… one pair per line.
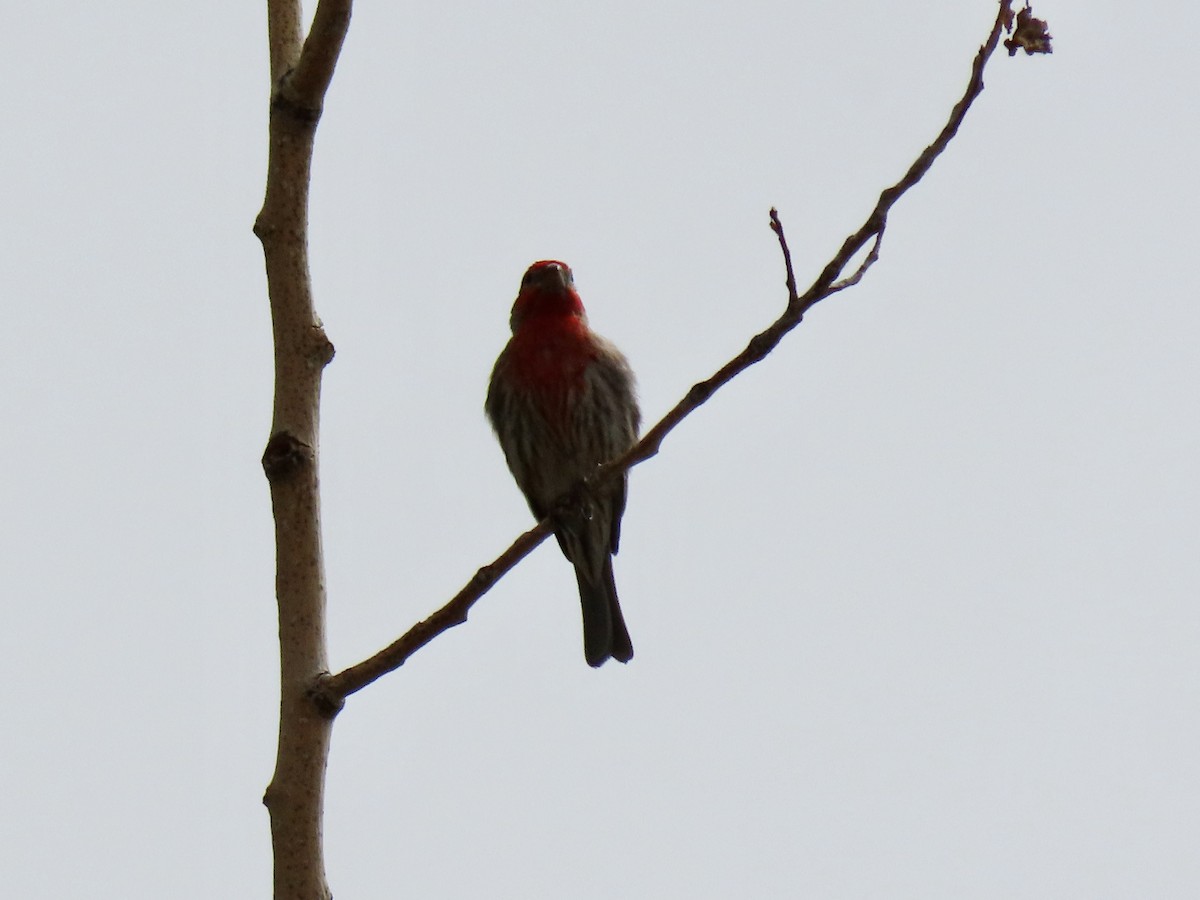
x=790, y=279
x=871, y=259
x=333, y=688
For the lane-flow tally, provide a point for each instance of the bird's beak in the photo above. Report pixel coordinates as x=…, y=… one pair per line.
x=559, y=275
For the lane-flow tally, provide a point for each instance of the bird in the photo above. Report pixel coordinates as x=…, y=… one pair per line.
x=562, y=400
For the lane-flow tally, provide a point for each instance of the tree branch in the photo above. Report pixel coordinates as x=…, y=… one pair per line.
x=313, y=73
x=331, y=690
x=283, y=36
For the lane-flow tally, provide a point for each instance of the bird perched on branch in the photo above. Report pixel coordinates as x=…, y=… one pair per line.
x=561, y=401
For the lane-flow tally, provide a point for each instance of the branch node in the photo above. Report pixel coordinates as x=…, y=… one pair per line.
x=323, y=350
x=285, y=456
x=261, y=228
x=483, y=578
x=324, y=696
x=760, y=345
x=286, y=103
x=698, y=394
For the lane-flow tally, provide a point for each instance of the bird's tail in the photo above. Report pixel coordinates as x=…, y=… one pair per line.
x=604, y=631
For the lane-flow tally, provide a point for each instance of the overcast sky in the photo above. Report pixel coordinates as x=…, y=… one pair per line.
x=916, y=602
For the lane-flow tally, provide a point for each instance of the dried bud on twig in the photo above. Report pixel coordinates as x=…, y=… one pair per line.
x=1030, y=35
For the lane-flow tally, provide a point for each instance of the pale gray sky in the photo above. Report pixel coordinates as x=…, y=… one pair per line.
x=915, y=602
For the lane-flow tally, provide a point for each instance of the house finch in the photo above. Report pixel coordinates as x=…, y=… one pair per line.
x=561, y=401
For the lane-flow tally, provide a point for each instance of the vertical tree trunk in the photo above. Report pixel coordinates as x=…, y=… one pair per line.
x=299, y=77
